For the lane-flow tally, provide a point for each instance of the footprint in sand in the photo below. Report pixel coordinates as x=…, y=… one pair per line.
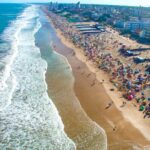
x=88, y=74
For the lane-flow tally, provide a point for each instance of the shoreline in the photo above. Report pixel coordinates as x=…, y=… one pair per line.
x=100, y=75
x=85, y=133
x=106, y=85
x=102, y=130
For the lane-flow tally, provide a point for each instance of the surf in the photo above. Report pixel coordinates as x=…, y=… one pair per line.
x=28, y=117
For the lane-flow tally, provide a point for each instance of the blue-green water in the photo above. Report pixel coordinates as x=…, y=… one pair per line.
x=8, y=13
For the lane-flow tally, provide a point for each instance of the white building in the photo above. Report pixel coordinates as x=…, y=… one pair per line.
x=136, y=26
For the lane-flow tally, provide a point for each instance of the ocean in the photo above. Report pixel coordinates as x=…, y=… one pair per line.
x=28, y=117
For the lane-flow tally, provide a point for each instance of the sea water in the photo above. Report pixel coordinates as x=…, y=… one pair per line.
x=28, y=118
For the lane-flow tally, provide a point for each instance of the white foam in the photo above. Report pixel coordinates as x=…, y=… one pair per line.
x=6, y=88
x=30, y=120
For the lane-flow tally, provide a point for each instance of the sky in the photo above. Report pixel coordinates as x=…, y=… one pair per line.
x=110, y=2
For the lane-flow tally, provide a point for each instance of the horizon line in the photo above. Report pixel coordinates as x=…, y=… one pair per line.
x=72, y=3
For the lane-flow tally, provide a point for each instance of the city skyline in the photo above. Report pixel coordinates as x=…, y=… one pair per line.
x=107, y=2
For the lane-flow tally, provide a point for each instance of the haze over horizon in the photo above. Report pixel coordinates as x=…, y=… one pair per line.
x=107, y=2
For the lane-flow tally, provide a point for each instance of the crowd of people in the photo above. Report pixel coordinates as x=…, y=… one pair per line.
x=132, y=81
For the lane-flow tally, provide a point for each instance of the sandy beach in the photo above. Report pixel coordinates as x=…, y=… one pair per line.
x=94, y=98
x=85, y=133
x=123, y=130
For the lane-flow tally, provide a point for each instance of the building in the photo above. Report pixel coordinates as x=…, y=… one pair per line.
x=95, y=16
x=132, y=26
x=119, y=23
x=146, y=25
x=136, y=26
x=78, y=5
x=145, y=34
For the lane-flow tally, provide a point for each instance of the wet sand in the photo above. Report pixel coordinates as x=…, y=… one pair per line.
x=85, y=133
x=98, y=104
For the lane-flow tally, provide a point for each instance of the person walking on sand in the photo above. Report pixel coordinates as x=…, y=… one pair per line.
x=109, y=105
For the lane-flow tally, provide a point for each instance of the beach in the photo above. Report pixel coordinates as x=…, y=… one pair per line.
x=61, y=89
x=85, y=133
x=94, y=99
x=123, y=131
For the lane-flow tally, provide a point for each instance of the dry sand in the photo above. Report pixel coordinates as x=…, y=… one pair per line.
x=94, y=98
x=124, y=126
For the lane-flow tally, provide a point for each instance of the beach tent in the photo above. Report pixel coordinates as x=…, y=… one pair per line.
x=148, y=69
x=128, y=52
x=132, y=53
x=138, y=60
